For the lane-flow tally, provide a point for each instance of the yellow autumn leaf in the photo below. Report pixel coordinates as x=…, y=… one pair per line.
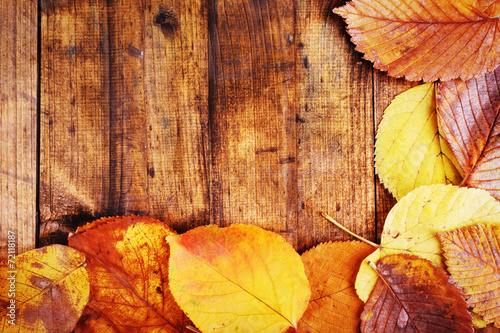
x=413, y=222
x=409, y=151
x=237, y=279
x=43, y=290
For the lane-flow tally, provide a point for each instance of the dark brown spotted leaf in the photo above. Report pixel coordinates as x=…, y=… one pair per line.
x=412, y=295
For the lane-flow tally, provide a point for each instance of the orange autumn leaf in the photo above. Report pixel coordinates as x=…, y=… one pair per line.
x=429, y=40
x=128, y=271
x=472, y=257
x=468, y=114
x=239, y=278
x=331, y=269
x=412, y=295
x=43, y=290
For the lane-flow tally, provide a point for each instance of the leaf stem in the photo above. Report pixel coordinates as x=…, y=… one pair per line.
x=329, y=218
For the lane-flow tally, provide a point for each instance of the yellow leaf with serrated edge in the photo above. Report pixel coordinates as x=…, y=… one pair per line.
x=409, y=151
x=237, y=279
x=43, y=290
x=413, y=222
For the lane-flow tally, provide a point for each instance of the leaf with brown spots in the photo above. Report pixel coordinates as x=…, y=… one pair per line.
x=473, y=260
x=429, y=40
x=331, y=269
x=412, y=295
x=43, y=290
x=128, y=271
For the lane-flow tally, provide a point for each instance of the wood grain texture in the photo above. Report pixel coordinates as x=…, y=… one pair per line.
x=252, y=115
x=197, y=112
x=75, y=124
x=176, y=97
x=124, y=112
x=18, y=123
x=335, y=119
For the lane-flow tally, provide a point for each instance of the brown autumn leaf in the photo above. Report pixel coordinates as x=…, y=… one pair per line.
x=128, y=271
x=412, y=295
x=473, y=260
x=43, y=290
x=331, y=269
x=429, y=40
x=468, y=114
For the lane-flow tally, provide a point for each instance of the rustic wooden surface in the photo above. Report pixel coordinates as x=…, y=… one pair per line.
x=18, y=123
x=192, y=112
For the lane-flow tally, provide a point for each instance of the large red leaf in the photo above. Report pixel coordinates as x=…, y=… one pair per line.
x=468, y=114
x=429, y=40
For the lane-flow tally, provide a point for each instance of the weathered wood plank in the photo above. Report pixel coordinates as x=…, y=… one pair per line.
x=75, y=127
x=335, y=120
x=18, y=123
x=252, y=115
x=124, y=113
x=176, y=92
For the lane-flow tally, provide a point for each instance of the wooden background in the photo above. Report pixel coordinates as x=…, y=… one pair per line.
x=192, y=112
x=231, y=111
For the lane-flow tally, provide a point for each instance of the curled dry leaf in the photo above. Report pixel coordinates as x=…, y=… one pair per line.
x=240, y=278
x=411, y=295
x=331, y=269
x=412, y=223
x=473, y=260
x=409, y=151
x=50, y=287
x=128, y=271
x=469, y=116
x=429, y=40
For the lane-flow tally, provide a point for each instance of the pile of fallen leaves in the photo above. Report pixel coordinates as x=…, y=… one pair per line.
x=437, y=268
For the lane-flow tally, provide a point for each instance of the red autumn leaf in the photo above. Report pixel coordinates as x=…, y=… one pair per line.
x=412, y=295
x=468, y=114
x=127, y=263
x=429, y=40
x=472, y=256
x=331, y=269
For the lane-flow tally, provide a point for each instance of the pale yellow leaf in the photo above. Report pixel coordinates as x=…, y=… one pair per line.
x=409, y=150
x=412, y=224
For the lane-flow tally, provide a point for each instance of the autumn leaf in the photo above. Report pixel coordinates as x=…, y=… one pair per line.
x=472, y=259
x=411, y=295
x=409, y=151
x=412, y=223
x=469, y=116
x=429, y=40
x=240, y=278
x=43, y=290
x=331, y=269
x=128, y=271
